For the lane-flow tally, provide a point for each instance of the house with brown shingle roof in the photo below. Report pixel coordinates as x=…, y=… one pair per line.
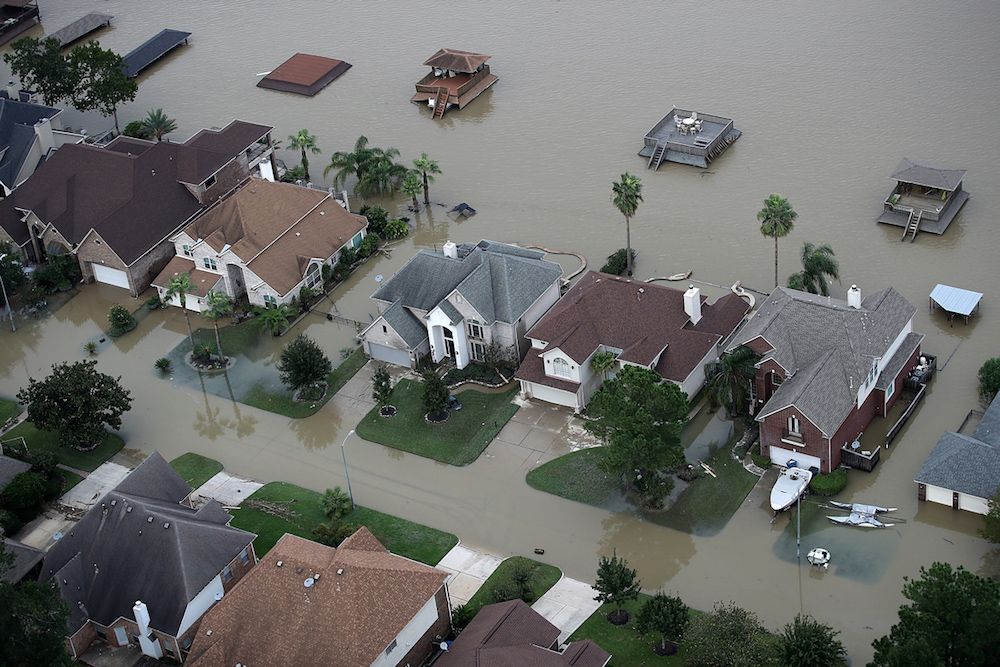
x=307, y=604
x=115, y=207
x=266, y=240
x=675, y=333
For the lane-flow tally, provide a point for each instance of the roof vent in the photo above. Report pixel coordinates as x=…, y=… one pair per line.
x=153, y=172
x=128, y=509
x=208, y=633
x=322, y=212
x=140, y=531
x=298, y=233
x=340, y=570
x=218, y=596
x=166, y=524
x=114, y=502
x=149, y=519
x=280, y=563
x=316, y=576
x=308, y=583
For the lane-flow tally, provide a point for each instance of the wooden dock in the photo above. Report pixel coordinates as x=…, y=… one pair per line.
x=152, y=50
x=80, y=28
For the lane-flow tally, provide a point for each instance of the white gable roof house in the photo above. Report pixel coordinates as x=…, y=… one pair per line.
x=457, y=303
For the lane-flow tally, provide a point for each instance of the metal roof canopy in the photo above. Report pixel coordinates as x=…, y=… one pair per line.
x=955, y=299
x=152, y=50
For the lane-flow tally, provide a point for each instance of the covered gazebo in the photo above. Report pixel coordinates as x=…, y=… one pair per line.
x=955, y=301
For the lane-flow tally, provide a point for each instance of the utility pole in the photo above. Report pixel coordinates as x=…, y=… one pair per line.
x=343, y=453
x=6, y=300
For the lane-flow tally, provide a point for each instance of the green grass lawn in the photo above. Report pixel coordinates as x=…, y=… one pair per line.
x=282, y=402
x=70, y=479
x=8, y=409
x=576, y=476
x=402, y=537
x=459, y=441
x=195, y=468
x=543, y=577
x=236, y=338
x=48, y=441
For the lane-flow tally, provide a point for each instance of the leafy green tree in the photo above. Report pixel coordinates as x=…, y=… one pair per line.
x=136, y=129
x=335, y=503
x=24, y=492
x=382, y=176
x=157, y=124
x=333, y=532
x=381, y=386
x=950, y=620
x=989, y=379
x=303, y=363
x=180, y=286
x=991, y=529
x=728, y=380
x=728, y=637
x=665, y=615
x=378, y=218
x=602, y=362
x=121, y=320
x=33, y=621
x=617, y=262
x=427, y=168
x=777, y=219
x=369, y=245
x=396, y=229
x=217, y=306
x=77, y=402
x=616, y=584
x=435, y=392
x=818, y=262
x=351, y=163
x=304, y=142
x=99, y=79
x=11, y=270
x=626, y=195
x=42, y=67
x=639, y=417
x=412, y=187
x=273, y=320
x=805, y=642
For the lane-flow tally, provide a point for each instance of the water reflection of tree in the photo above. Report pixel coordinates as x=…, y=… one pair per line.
x=658, y=553
x=245, y=423
x=317, y=432
x=208, y=424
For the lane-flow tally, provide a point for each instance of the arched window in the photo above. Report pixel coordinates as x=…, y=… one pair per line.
x=560, y=368
x=314, y=275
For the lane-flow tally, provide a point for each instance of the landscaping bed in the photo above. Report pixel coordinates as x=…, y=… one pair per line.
x=46, y=441
x=459, y=441
x=402, y=537
x=543, y=577
x=195, y=468
x=475, y=372
x=576, y=476
x=283, y=402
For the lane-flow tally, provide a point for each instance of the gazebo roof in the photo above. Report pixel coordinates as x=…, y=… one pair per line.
x=909, y=171
x=457, y=61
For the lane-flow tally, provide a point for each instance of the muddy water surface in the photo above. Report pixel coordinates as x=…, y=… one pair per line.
x=829, y=98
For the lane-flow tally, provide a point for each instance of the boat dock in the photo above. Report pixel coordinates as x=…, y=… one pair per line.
x=688, y=137
x=152, y=50
x=926, y=199
x=81, y=28
x=16, y=16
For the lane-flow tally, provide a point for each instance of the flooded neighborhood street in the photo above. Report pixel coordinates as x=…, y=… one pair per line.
x=827, y=107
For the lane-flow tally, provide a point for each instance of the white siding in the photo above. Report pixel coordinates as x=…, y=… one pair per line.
x=409, y=635
x=200, y=604
x=781, y=456
x=696, y=380
x=866, y=387
x=553, y=356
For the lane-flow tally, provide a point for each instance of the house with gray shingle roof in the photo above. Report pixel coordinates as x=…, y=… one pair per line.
x=963, y=471
x=460, y=302
x=827, y=368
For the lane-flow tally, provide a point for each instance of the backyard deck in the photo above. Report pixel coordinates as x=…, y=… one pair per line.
x=152, y=50
x=81, y=28
x=666, y=142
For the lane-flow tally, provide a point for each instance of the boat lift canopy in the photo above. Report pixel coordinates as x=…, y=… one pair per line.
x=955, y=300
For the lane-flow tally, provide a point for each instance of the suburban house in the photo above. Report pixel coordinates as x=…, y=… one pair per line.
x=28, y=132
x=460, y=302
x=266, y=240
x=827, y=368
x=115, y=208
x=673, y=332
x=142, y=566
x=963, y=471
x=308, y=604
x=512, y=633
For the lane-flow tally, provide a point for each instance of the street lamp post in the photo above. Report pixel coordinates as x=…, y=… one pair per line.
x=3, y=289
x=343, y=453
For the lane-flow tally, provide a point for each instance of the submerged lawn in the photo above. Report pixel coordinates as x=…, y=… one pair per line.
x=459, y=441
x=302, y=513
x=576, y=476
x=195, y=468
x=48, y=441
x=543, y=577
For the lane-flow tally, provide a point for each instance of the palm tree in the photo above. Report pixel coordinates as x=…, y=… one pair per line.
x=219, y=305
x=274, y=320
x=303, y=141
x=776, y=220
x=602, y=362
x=427, y=168
x=412, y=187
x=626, y=195
x=728, y=381
x=382, y=176
x=180, y=286
x=157, y=124
x=818, y=262
x=351, y=162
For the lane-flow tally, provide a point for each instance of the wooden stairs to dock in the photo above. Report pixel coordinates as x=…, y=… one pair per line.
x=657, y=157
x=440, y=103
x=912, y=225
x=723, y=145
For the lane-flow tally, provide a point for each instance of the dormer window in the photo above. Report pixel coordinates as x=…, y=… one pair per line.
x=560, y=368
x=210, y=182
x=314, y=275
x=186, y=250
x=210, y=264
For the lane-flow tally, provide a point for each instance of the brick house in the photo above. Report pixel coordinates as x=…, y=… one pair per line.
x=142, y=566
x=675, y=333
x=460, y=302
x=827, y=368
x=308, y=604
x=264, y=239
x=116, y=207
x=28, y=131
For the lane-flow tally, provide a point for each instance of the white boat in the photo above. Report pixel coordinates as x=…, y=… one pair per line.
x=860, y=520
x=818, y=557
x=862, y=508
x=791, y=484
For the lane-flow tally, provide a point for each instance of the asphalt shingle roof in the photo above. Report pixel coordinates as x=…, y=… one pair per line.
x=11, y=468
x=967, y=464
x=405, y=324
x=17, y=134
x=909, y=171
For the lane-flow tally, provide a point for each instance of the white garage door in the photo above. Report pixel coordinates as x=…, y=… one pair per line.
x=109, y=276
x=781, y=456
x=550, y=395
x=389, y=354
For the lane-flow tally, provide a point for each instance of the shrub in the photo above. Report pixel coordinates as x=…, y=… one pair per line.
x=292, y=174
x=90, y=347
x=162, y=364
x=136, y=129
x=760, y=460
x=830, y=484
x=25, y=492
x=333, y=532
x=462, y=615
x=336, y=504
x=377, y=216
x=327, y=273
x=10, y=523
x=396, y=229
x=690, y=473
x=347, y=257
x=369, y=245
x=121, y=320
x=202, y=354
x=381, y=386
x=805, y=642
x=59, y=272
x=303, y=363
x=617, y=262
x=306, y=295
x=154, y=302
x=989, y=379
x=43, y=462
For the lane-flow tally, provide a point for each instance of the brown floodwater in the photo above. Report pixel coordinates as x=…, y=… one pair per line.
x=829, y=98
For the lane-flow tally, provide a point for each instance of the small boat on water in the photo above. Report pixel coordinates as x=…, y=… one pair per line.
x=819, y=557
x=792, y=483
x=862, y=508
x=859, y=519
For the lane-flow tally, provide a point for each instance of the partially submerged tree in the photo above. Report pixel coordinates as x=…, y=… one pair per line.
x=626, y=195
x=303, y=363
x=77, y=402
x=427, y=168
x=989, y=379
x=729, y=379
x=616, y=584
x=728, y=637
x=180, y=286
x=11, y=270
x=411, y=187
x=273, y=320
x=157, y=124
x=666, y=615
x=805, y=642
x=777, y=218
x=304, y=142
x=121, y=320
x=100, y=83
x=218, y=305
x=818, y=262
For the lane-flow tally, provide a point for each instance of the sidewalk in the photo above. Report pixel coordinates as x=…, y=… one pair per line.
x=469, y=571
x=226, y=489
x=567, y=605
x=95, y=485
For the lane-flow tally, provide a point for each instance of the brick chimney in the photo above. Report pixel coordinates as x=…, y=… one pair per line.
x=692, y=303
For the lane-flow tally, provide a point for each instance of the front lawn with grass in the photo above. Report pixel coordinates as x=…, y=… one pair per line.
x=543, y=577
x=70, y=479
x=278, y=508
x=576, y=476
x=458, y=441
x=8, y=409
x=195, y=468
x=47, y=441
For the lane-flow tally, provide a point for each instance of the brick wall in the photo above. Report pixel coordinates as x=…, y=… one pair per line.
x=227, y=178
x=813, y=441
x=78, y=643
x=439, y=629
x=239, y=569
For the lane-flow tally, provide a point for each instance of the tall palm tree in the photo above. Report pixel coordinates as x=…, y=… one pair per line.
x=274, y=320
x=427, y=168
x=157, y=124
x=728, y=381
x=626, y=195
x=351, y=163
x=218, y=305
x=777, y=219
x=818, y=262
x=180, y=286
x=382, y=176
x=412, y=187
x=602, y=362
x=303, y=141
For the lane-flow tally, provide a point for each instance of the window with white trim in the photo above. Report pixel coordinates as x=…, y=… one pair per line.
x=475, y=329
x=270, y=301
x=560, y=368
x=794, y=427
x=210, y=182
x=890, y=388
x=210, y=264
x=245, y=557
x=227, y=573
x=314, y=275
x=478, y=351
x=186, y=250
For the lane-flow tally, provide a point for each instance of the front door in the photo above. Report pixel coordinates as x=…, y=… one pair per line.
x=449, y=344
x=121, y=636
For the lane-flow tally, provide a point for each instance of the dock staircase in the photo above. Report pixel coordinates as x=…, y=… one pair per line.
x=657, y=157
x=440, y=103
x=912, y=225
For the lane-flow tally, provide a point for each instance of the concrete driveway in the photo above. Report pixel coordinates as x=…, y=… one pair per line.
x=469, y=570
x=567, y=605
x=537, y=433
x=226, y=489
x=93, y=487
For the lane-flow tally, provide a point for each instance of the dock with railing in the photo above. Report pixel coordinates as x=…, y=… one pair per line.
x=688, y=137
x=925, y=199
